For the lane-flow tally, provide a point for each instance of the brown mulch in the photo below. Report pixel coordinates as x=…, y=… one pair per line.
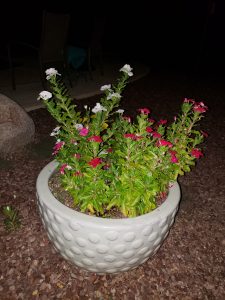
x=191, y=262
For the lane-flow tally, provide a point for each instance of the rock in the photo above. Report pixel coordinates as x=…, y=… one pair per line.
x=16, y=127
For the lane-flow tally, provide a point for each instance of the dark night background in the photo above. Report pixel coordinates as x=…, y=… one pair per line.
x=163, y=34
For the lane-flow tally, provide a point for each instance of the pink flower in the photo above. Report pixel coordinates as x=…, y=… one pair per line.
x=156, y=134
x=57, y=147
x=174, y=159
x=149, y=129
x=132, y=136
x=164, y=143
x=95, y=138
x=63, y=167
x=162, y=122
x=95, y=162
x=151, y=120
x=84, y=131
x=144, y=111
x=200, y=107
x=196, y=153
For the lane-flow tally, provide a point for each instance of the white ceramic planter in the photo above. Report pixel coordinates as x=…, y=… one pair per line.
x=104, y=245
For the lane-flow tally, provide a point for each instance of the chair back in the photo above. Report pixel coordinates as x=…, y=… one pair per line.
x=55, y=30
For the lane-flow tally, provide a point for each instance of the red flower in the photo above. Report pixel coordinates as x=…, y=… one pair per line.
x=109, y=150
x=196, y=153
x=57, y=147
x=162, y=122
x=95, y=138
x=164, y=143
x=95, y=162
x=200, y=107
x=156, y=134
x=132, y=136
x=144, y=111
x=63, y=167
x=149, y=129
x=174, y=159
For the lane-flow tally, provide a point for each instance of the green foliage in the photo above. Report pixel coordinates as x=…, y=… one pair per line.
x=106, y=161
x=12, y=219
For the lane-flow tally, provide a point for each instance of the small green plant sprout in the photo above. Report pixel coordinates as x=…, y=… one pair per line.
x=12, y=219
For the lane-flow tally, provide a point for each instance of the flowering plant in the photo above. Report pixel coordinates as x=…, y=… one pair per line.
x=107, y=161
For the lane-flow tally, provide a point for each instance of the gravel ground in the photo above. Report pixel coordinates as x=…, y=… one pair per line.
x=189, y=265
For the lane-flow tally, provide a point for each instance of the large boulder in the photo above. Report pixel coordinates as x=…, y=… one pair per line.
x=16, y=127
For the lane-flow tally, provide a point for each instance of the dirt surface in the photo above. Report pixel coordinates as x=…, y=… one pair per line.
x=191, y=262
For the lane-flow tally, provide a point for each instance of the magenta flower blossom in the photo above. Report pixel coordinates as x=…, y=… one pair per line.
x=156, y=134
x=149, y=129
x=200, y=107
x=84, y=131
x=57, y=147
x=63, y=167
x=162, y=142
x=174, y=159
x=196, y=153
x=162, y=122
x=144, y=111
x=132, y=136
x=95, y=138
x=94, y=162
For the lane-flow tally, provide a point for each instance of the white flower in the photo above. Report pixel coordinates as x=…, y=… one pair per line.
x=120, y=111
x=117, y=95
x=98, y=107
x=78, y=126
x=51, y=72
x=103, y=152
x=127, y=69
x=106, y=87
x=45, y=95
x=85, y=107
x=55, y=131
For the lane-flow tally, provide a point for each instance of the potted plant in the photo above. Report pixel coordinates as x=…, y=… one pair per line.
x=121, y=176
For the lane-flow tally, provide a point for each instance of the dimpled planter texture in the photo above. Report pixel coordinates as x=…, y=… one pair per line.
x=103, y=245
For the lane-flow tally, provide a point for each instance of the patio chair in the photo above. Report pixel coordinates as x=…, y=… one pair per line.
x=52, y=48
